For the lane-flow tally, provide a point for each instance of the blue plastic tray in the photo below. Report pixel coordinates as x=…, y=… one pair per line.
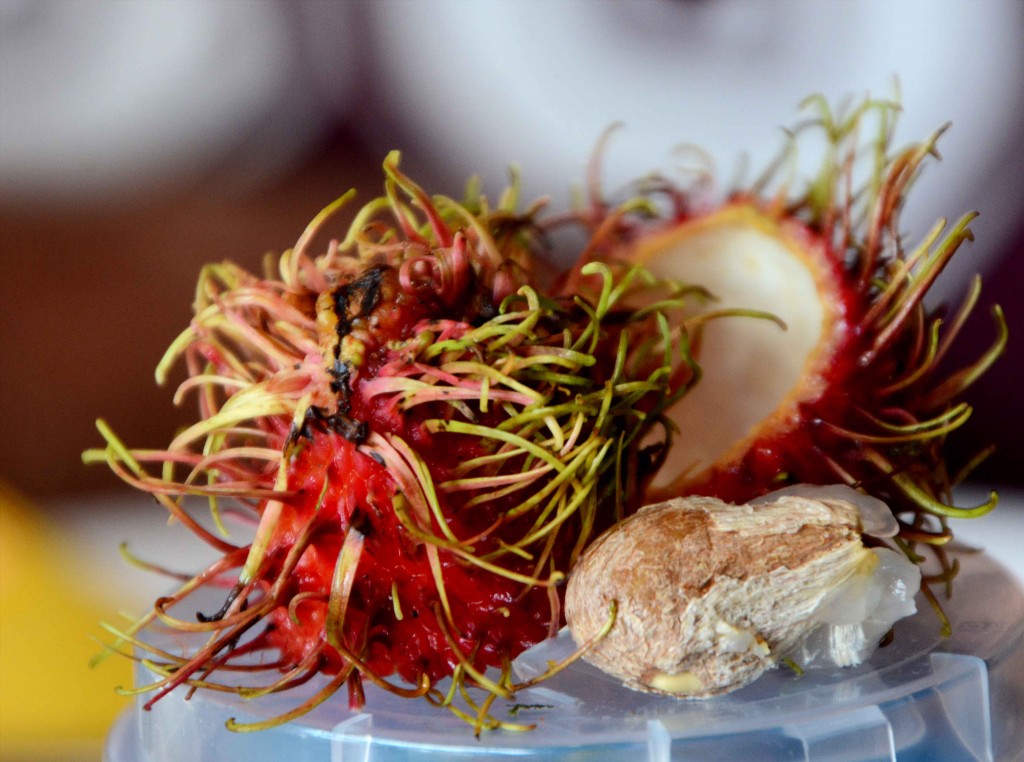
x=921, y=698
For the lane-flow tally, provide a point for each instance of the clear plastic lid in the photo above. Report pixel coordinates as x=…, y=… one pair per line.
x=922, y=697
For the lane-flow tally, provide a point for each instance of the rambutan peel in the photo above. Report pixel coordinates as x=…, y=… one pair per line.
x=426, y=438
x=849, y=385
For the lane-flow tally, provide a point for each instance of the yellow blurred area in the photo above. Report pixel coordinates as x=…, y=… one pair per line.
x=53, y=706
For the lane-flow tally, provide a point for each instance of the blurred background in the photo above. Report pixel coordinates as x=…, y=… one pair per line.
x=140, y=139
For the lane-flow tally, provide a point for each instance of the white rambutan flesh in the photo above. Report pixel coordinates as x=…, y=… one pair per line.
x=860, y=611
x=755, y=372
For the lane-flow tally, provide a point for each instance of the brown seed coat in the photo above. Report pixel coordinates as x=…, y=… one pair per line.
x=710, y=594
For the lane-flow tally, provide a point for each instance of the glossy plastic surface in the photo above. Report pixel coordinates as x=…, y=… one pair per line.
x=921, y=698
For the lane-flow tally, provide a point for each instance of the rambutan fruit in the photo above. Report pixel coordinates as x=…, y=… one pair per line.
x=424, y=436
x=847, y=384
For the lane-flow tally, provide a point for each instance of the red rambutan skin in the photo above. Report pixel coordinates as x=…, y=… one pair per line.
x=396, y=619
x=410, y=644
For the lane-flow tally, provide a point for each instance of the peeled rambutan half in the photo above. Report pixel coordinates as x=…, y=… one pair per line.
x=831, y=368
